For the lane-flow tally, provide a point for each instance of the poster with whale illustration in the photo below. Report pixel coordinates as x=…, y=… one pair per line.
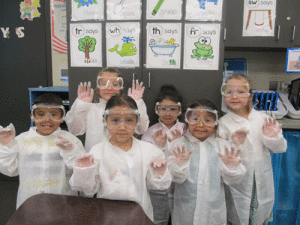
x=201, y=46
x=163, y=45
x=123, y=44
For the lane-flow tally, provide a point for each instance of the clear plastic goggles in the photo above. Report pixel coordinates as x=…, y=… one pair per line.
x=129, y=119
x=207, y=116
x=113, y=82
x=172, y=109
x=54, y=112
x=240, y=90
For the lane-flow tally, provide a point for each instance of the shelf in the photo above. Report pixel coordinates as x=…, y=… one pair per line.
x=288, y=123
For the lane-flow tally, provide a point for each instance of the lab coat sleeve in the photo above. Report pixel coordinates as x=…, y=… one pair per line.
x=69, y=157
x=231, y=175
x=76, y=117
x=158, y=182
x=9, y=161
x=277, y=144
x=147, y=136
x=179, y=172
x=86, y=179
x=144, y=124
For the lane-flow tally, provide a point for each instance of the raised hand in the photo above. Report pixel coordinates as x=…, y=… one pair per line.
x=137, y=91
x=7, y=134
x=85, y=161
x=159, y=166
x=239, y=137
x=63, y=143
x=230, y=159
x=181, y=156
x=176, y=134
x=159, y=138
x=85, y=92
x=270, y=128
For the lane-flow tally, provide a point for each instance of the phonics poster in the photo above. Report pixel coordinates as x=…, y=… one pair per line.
x=293, y=60
x=164, y=9
x=163, y=45
x=259, y=18
x=86, y=44
x=204, y=10
x=87, y=10
x=201, y=46
x=122, y=44
x=124, y=9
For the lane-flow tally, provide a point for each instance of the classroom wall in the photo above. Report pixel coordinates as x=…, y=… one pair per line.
x=264, y=66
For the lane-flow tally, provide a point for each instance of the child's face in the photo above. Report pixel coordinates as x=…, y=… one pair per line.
x=201, y=130
x=45, y=123
x=121, y=123
x=168, y=112
x=109, y=91
x=237, y=98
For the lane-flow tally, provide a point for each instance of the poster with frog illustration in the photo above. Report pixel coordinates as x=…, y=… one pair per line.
x=201, y=46
x=124, y=9
x=163, y=45
x=123, y=44
x=87, y=10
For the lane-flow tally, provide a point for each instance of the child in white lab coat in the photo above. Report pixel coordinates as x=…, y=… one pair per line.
x=86, y=117
x=199, y=173
x=168, y=107
x=44, y=156
x=251, y=201
x=123, y=167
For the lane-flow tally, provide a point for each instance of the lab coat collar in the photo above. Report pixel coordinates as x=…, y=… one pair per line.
x=238, y=118
x=34, y=134
x=165, y=127
x=211, y=139
x=102, y=102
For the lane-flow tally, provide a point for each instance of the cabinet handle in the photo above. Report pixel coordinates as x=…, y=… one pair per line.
x=294, y=31
x=278, y=32
x=133, y=78
x=224, y=34
x=149, y=77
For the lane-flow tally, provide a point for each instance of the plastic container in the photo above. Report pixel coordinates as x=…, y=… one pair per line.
x=292, y=112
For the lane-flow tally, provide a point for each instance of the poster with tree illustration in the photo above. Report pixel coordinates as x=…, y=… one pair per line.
x=163, y=45
x=87, y=10
x=86, y=44
x=201, y=46
x=122, y=44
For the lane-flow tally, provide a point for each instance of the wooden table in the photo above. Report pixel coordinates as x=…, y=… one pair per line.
x=46, y=209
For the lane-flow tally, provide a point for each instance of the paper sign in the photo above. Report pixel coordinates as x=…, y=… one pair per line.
x=124, y=10
x=122, y=44
x=87, y=10
x=164, y=9
x=293, y=60
x=201, y=46
x=163, y=45
x=204, y=10
x=259, y=18
x=86, y=44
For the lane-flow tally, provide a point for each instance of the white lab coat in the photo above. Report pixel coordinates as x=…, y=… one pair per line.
x=88, y=118
x=121, y=175
x=199, y=196
x=42, y=166
x=257, y=157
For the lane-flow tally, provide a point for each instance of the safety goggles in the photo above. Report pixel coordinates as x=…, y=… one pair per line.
x=240, y=90
x=40, y=112
x=107, y=82
x=172, y=109
x=207, y=116
x=129, y=119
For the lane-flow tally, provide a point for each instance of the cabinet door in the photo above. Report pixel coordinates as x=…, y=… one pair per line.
x=293, y=23
x=234, y=27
